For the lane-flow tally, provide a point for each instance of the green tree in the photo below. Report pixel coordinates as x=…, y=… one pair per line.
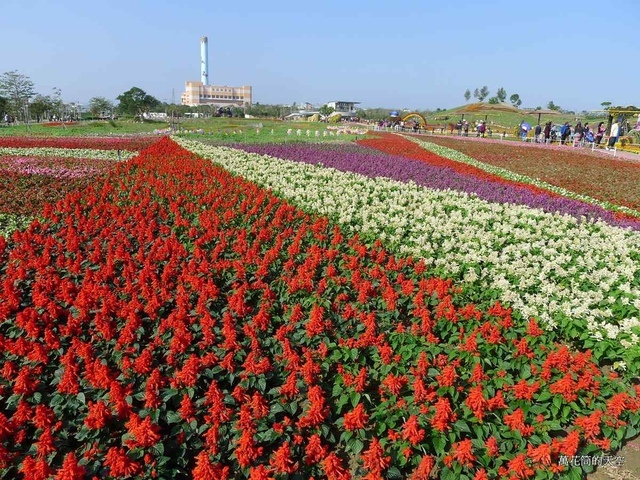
x=467, y=94
x=501, y=94
x=476, y=93
x=100, y=107
x=553, y=106
x=136, y=102
x=494, y=100
x=4, y=107
x=41, y=107
x=18, y=89
x=515, y=100
x=606, y=105
x=326, y=110
x=57, y=104
x=484, y=93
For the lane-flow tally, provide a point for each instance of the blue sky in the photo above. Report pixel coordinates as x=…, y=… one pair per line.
x=392, y=54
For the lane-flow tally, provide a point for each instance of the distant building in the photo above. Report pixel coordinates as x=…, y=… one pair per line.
x=201, y=93
x=222, y=95
x=346, y=109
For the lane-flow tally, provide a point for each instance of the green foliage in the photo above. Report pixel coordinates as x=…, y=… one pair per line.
x=135, y=102
x=4, y=105
x=326, y=110
x=467, y=94
x=501, y=94
x=100, y=106
x=484, y=93
x=10, y=223
x=18, y=89
x=40, y=106
x=553, y=106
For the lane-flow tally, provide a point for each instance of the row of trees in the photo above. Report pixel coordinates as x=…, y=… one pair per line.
x=18, y=98
x=500, y=96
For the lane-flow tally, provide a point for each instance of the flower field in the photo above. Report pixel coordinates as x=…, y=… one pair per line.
x=35, y=171
x=210, y=313
x=604, y=178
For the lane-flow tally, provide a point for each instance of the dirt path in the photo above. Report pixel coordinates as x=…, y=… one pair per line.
x=629, y=468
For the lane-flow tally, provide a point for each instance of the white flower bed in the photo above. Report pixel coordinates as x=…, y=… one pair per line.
x=457, y=156
x=68, y=153
x=543, y=265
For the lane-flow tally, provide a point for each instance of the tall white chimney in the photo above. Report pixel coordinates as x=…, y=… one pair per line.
x=204, y=61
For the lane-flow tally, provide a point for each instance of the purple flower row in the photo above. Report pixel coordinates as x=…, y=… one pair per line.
x=371, y=163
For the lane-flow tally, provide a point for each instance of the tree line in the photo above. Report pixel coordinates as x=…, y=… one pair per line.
x=499, y=97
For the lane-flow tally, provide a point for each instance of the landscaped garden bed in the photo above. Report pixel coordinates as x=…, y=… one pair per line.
x=248, y=316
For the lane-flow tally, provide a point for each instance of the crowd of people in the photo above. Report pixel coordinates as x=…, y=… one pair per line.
x=578, y=134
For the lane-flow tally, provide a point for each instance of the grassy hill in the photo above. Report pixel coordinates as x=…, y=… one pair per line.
x=507, y=120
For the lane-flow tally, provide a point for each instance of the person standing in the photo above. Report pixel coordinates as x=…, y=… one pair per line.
x=537, y=132
x=600, y=133
x=565, y=132
x=547, y=132
x=578, y=132
x=466, y=128
x=613, y=135
x=523, y=131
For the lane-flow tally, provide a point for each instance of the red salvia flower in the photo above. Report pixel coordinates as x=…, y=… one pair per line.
x=119, y=464
x=423, y=470
x=540, y=454
x=481, y=475
x=356, y=418
x=394, y=383
x=187, y=409
x=523, y=391
x=448, y=376
x=315, y=325
x=463, y=453
x=70, y=469
x=317, y=410
x=144, y=432
x=281, y=460
x=444, y=416
x=314, y=451
x=496, y=402
x=478, y=375
x=411, y=430
x=518, y=465
x=45, y=444
x=617, y=404
x=566, y=387
x=260, y=473
x=35, y=469
x=515, y=421
x=207, y=470
x=333, y=468
x=98, y=415
x=476, y=402
x=492, y=446
x=590, y=424
x=373, y=458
